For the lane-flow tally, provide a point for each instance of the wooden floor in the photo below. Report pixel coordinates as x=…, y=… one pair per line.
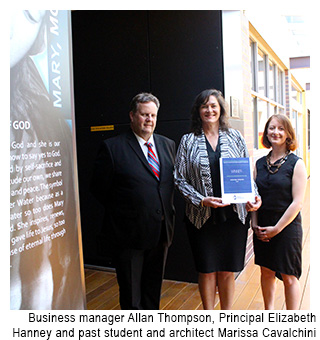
x=102, y=289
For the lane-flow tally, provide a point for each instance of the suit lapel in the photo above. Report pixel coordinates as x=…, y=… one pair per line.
x=161, y=150
x=159, y=147
x=161, y=153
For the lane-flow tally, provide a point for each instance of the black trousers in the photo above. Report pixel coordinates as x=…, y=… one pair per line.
x=140, y=274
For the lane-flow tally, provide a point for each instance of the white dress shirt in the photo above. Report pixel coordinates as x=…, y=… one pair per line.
x=144, y=148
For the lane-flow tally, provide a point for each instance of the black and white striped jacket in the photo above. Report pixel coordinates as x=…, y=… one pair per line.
x=193, y=176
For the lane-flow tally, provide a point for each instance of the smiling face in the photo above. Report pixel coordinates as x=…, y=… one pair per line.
x=276, y=133
x=143, y=121
x=210, y=111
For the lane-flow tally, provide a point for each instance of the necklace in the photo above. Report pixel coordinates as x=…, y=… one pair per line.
x=278, y=165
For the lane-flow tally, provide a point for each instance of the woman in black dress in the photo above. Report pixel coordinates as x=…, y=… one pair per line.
x=217, y=232
x=281, y=179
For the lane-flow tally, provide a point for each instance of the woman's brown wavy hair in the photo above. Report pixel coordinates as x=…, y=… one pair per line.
x=202, y=98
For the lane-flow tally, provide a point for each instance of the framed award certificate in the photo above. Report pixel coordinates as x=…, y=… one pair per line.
x=236, y=180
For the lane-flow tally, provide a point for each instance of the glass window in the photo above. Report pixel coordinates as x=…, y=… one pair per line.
x=262, y=119
x=294, y=117
x=271, y=81
x=280, y=87
x=252, y=64
x=267, y=90
x=261, y=73
x=255, y=121
x=294, y=93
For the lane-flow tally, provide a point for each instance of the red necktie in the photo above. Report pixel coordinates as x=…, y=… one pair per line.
x=152, y=160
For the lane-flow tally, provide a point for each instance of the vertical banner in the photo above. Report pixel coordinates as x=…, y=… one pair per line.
x=46, y=269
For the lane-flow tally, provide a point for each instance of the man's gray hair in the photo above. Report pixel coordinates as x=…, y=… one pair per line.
x=143, y=97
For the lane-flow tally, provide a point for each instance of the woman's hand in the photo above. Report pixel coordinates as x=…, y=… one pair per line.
x=265, y=233
x=214, y=202
x=254, y=206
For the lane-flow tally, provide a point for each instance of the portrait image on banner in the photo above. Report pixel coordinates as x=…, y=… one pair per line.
x=46, y=269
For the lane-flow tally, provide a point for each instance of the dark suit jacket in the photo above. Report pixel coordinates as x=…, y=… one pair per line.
x=135, y=201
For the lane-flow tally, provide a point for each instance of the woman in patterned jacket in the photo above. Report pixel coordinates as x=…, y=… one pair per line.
x=217, y=232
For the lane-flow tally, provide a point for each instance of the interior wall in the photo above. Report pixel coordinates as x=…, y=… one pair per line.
x=117, y=54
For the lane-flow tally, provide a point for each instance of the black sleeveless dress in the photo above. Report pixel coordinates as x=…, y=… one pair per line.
x=220, y=244
x=282, y=254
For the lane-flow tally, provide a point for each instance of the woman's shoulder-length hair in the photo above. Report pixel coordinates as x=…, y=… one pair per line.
x=202, y=98
x=291, y=143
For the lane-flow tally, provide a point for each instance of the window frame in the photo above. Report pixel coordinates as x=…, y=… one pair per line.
x=275, y=103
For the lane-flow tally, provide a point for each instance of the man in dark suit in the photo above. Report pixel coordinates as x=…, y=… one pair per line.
x=134, y=182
